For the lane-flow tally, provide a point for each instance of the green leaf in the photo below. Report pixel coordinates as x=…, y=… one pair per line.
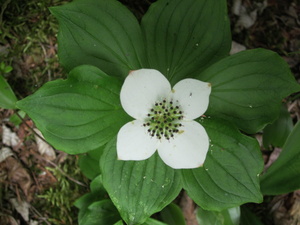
x=172, y=215
x=97, y=193
x=229, y=176
x=7, y=96
x=276, y=133
x=185, y=37
x=7, y=69
x=4, y=68
x=100, y=213
x=283, y=175
x=151, y=221
x=248, y=87
x=79, y=114
x=119, y=223
x=16, y=118
x=249, y=218
x=89, y=163
x=100, y=33
x=226, y=217
x=138, y=188
x=89, y=166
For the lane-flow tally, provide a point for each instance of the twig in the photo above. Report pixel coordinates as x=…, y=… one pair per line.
x=39, y=215
x=62, y=172
x=48, y=161
x=30, y=128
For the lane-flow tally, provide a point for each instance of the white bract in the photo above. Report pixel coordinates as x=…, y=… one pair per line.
x=164, y=119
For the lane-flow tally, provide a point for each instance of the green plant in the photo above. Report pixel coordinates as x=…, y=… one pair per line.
x=58, y=200
x=7, y=96
x=100, y=42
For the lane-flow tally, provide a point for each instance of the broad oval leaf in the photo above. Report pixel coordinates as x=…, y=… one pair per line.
x=248, y=87
x=172, y=215
x=151, y=221
x=283, y=175
x=79, y=114
x=226, y=217
x=276, y=133
x=89, y=165
x=230, y=175
x=100, y=213
x=97, y=194
x=249, y=218
x=7, y=96
x=138, y=188
x=100, y=33
x=185, y=37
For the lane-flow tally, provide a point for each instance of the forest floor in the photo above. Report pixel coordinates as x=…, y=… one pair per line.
x=38, y=184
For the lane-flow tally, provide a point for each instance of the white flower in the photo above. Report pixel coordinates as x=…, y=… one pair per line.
x=163, y=119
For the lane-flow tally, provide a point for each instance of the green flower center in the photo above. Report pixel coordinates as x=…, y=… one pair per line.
x=164, y=119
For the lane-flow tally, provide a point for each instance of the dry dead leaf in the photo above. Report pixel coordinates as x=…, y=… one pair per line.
x=44, y=148
x=236, y=47
x=19, y=175
x=33, y=222
x=5, y=153
x=9, y=138
x=21, y=207
x=188, y=209
x=272, y=158
x=247, y=17
x=7, y=220
x=286, y=209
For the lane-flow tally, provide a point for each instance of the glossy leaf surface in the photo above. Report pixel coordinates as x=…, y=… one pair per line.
x=230, y=173
x=100, y=33
x=248, y=87
x=276, y=133
x=138, y=188
x=283, y=175
x=79, y=114
x=180, y=36
x=7, y=96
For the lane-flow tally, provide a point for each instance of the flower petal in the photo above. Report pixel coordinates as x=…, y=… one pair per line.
x=134, y=143
x=193, y=96
x=188, y=149
x=141, y=89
